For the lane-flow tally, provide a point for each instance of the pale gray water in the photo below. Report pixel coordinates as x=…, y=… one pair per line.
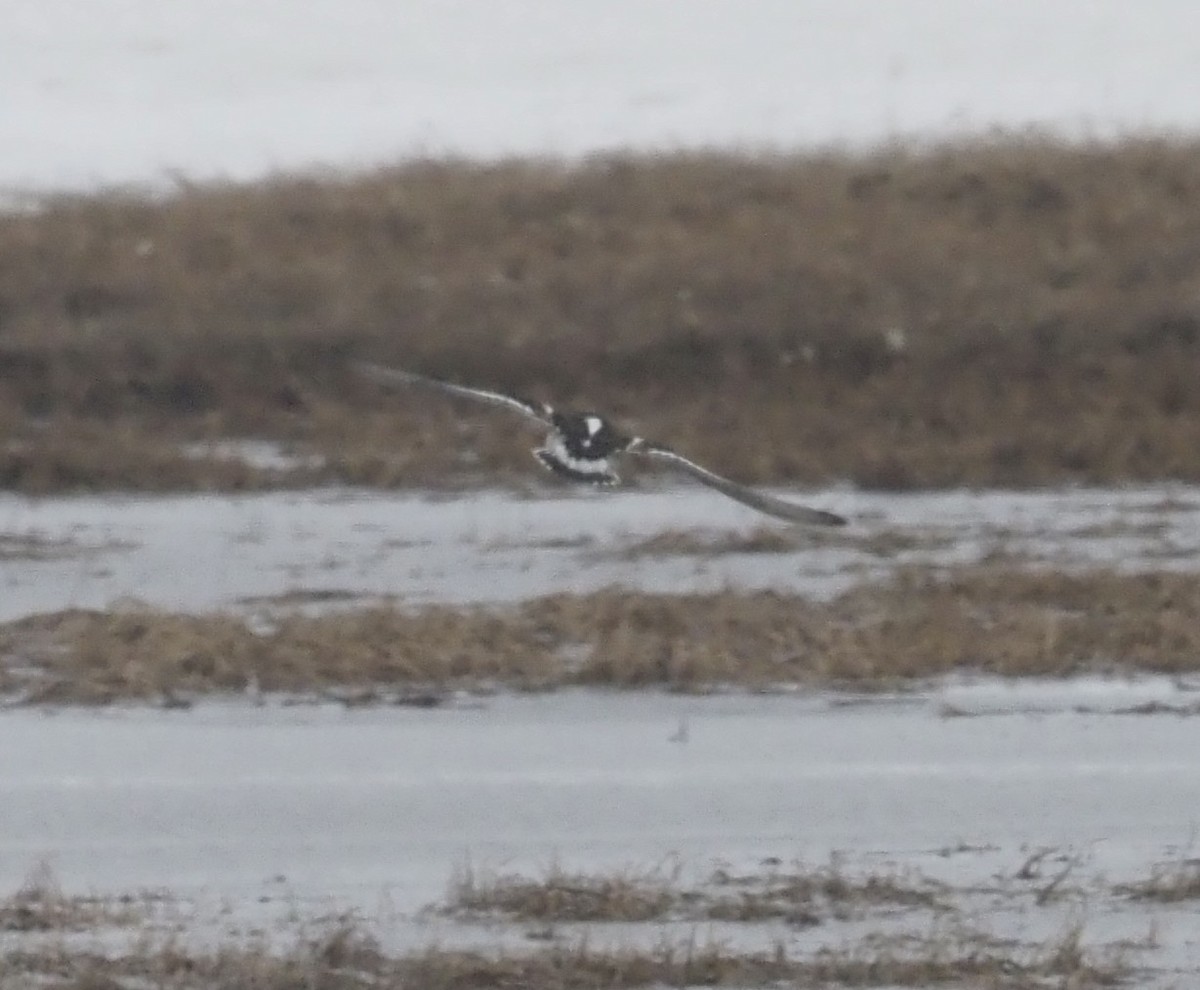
x=201, y=552
x=273, y=816
x=232, y=804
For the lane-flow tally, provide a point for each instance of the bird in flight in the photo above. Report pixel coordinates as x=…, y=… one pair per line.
x=580, y=446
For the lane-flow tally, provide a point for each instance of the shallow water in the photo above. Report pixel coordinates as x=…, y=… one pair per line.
x=246, y=819
x=202, y=552
x=269, y=813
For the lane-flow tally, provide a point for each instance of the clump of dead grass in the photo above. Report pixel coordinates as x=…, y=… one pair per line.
x=805, y=895
x=1168, y=883
x=921, y=623
x=800, y=896
x=681, y=542
x=772, y=539
x=40, y=905
x=562, y=896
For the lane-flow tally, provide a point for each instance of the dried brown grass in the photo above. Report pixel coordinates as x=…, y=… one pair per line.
x=805, y=895
x=922, y=623
x=1168, y=883
x=682, y=542
x=40, y=905
x=799, y=896
x=562, y=896
x=346, y=958
x=774, y=539
x=1008, y=311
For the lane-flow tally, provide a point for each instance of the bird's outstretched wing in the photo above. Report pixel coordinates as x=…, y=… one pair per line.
x=393, y=377
x=747, y=496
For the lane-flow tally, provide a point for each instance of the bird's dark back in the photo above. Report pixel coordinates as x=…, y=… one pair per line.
x=587, y=435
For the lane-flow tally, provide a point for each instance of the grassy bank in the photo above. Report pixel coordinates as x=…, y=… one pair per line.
x=1009, y=312
x=920, y=624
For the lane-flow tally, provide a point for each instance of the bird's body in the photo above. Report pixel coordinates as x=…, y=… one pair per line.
x=581, y=446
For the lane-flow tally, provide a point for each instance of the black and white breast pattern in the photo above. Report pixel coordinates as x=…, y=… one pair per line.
x=579, y=448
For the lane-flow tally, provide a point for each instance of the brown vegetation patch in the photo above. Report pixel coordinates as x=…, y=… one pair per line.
x=922, y=623
x=346, y=958
x=1009, y=311
x=798, y=897
x=297, y=597
x=684, y=542
x=98, y=657
x=32, y=547
x=39, y=905
x=774, y=539
x=1168, y=883
x=805, y=896
x=567, y=897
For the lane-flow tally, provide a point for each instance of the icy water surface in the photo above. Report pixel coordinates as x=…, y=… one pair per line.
x=256, y=815
x=1030, y=807
x=198, y=553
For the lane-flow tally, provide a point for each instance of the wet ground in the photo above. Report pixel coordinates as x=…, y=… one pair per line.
x=1025, y=809
x=231, y=821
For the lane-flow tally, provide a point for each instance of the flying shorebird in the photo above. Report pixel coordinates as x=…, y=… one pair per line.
x=581, y=445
